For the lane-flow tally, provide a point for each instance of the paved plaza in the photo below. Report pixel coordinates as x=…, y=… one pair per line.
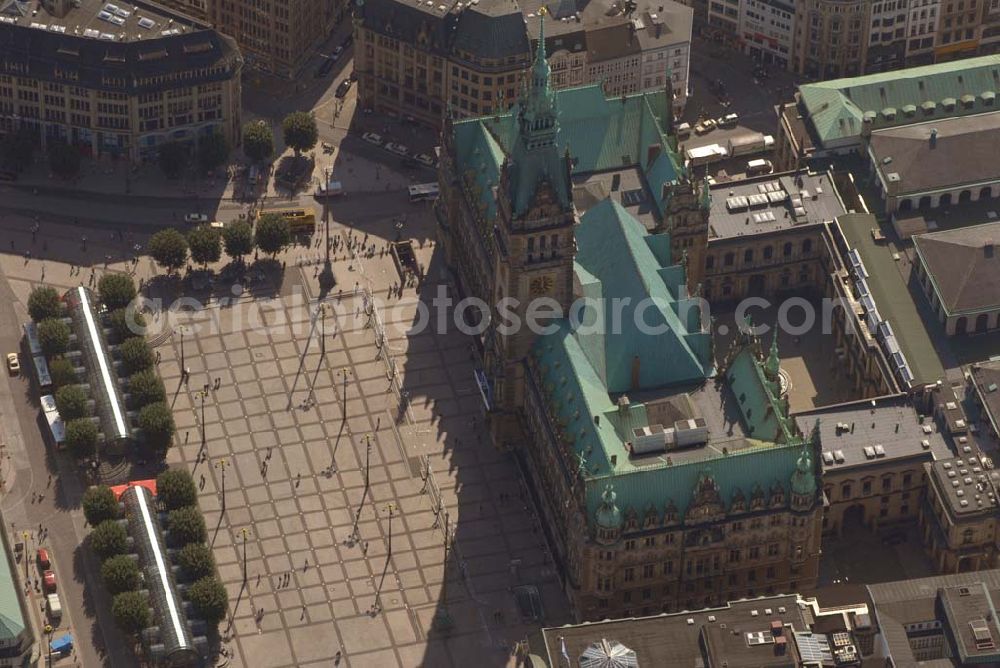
x=294, y=470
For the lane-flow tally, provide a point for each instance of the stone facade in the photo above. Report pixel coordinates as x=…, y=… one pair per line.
x=138, y=95
x=415, y=60
x=276, y=37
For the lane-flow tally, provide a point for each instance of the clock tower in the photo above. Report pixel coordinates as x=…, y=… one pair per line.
x=534, y=234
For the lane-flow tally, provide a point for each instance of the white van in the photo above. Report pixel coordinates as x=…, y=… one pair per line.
x=53, y=608
x=759, y=166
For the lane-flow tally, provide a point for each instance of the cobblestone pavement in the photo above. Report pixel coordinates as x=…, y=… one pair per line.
x=291, y=438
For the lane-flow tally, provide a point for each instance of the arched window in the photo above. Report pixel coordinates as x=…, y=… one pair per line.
x=787, y=249
x=748, y=255
x=729, y=259
x=807, y=246
x=710, y=262
x=768, y=252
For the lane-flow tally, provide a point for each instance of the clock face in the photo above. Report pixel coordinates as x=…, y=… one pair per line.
x=542, y=285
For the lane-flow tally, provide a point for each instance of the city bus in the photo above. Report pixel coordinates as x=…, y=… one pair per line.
x=42, y=373
x=31, y=334
x=424, y=192
x=56, y=425
x=301, y=220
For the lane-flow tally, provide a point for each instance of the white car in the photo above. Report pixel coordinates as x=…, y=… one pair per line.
x=426, y=159
x=13, y=364
x=372, y=138
x=398, y=149
x=195, y=218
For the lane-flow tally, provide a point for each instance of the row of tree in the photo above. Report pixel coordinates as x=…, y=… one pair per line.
x=204, y=244
x=187, y=535
x=145, y=388
x=298, y=130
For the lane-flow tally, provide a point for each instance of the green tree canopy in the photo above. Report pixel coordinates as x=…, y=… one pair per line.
x=173, y=159
x=196, y=560
x=116, y=290
x=44, y=303
x=169, y=249
x=135, y=355
x=175, y=489
x=71, y=402
x=258, y=141
x=157, y=424
x=206, y=244
x=99, y=504
x=53, y=335
x=64, y=159
x=186, y=525
x=108, y=539
x=213, y=151
x=63, y=372
x=238, y=239
x=299, y=131
x=272, y=234
x=120, y=573
x=81, y=437
x=209, y=598
x=126, y=323
x=145, y=387
x=131, y=611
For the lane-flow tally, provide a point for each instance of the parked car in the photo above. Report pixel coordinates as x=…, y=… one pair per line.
x=42, y=557
x=728, y=121
x=704, y=127
x=426, y=159
x=348, y=40
x=398, y=149
x=49, y=582
x=372, y=138
x=337, y=51
x=195, y=218
x=13, y=364
x=327, y=147
x=343, y=88
x=325, y=68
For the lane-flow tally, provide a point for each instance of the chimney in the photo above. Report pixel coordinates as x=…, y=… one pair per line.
x=652, y=153
x=933, y=137
x=635, y=372
x=597, y=420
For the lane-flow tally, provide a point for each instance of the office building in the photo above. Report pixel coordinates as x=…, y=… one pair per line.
x=115, y=80
x=413, y=59
x=275, y=37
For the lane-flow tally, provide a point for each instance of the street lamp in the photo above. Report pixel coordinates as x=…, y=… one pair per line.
x=181, y=329
x=245, y=533
x=25, y=535
x=388, y=557
x=222, y=464
x=364, y=494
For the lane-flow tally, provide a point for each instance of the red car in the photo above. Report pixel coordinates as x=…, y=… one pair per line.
x=43, y=558
x=49, y=582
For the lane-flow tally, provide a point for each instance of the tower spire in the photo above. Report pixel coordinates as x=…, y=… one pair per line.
x=540, y=71
x=773, y=364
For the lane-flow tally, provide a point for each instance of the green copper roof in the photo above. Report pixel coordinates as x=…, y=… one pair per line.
x=615, y=249
x=836, y=108
x=764, y=412
x=12, y=621
x=600, y=134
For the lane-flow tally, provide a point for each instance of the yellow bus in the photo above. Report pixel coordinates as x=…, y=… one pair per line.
x=301, y=220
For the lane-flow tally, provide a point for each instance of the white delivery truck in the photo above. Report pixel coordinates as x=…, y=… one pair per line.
x=704, y=155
